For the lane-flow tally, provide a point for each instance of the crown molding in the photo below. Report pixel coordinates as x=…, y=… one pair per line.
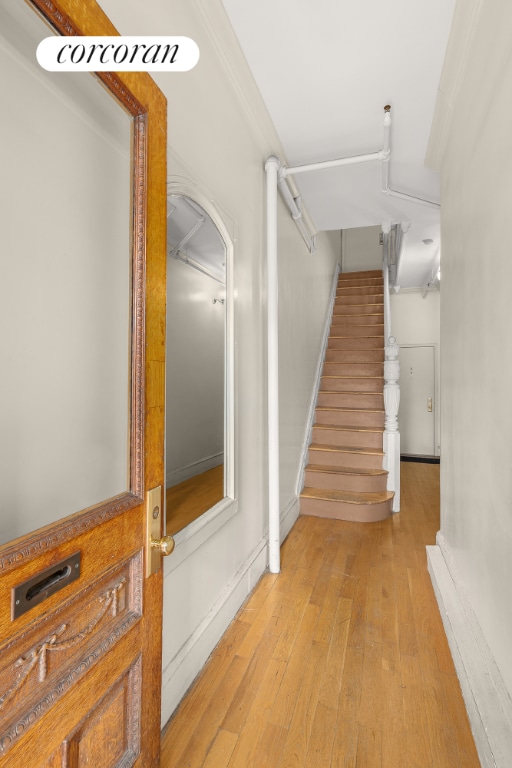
x=464, y=26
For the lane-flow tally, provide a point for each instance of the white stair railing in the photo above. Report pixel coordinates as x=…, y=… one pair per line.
x=391, y=441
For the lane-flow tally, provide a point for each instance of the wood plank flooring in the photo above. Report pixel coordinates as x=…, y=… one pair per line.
x=339, y=661
x=188, y=500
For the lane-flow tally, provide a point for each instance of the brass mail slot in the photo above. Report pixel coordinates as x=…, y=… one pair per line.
x=36, y=589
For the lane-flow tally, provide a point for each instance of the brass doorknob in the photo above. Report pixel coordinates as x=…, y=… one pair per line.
x=165, y=545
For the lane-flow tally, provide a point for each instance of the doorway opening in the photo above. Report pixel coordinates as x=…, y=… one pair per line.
x=417, y=401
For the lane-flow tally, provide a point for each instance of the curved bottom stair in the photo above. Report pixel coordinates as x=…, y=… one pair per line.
x=343, y=505
x=344, y=479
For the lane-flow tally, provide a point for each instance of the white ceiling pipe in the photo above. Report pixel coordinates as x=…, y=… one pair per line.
x=404, y=228
x=435, y=272
x=386, y=229
x=272, y=167
x=199, y=223
x=332, y=163
x=295, y=211
x=411, y=198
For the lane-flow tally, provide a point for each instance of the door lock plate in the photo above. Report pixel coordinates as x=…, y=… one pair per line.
x=156, y=545
x=153, y=529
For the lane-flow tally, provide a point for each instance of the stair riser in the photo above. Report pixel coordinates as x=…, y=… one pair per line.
x=336, y=384
x=339, y=482
x=348, y=331
x=344, y=459
x=354, y=356
x=339, y=510
x=341, y=309
x=343, y=438
x=361, y=282
x=362, y=273
x=374, y=319
x=359, y=299
x=351, y=400
x=353, y=369
x=350, y=419
x=369, y=290
x=356, y=343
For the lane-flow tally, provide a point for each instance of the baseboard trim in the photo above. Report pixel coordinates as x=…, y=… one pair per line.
x=180, y=673
x=289, y=517
x=176, y=476
x=488, y=703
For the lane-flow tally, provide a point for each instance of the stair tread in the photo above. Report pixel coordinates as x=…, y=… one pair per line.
x=342, y=409
x=358, y=284
x=350, y=362
x=355, y=376
x=348, y=429
x=329, y=468
x=346, y=449
x=370, y=335
x=347, y=392
x=350, y=497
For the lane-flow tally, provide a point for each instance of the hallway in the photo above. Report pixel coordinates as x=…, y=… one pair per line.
x=341, y=660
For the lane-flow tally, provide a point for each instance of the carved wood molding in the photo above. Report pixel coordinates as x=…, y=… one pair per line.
x=64, y=26
x=130, y=727
x=139, y=308
x=37, y=656
x=38, y=543
x=18, y=728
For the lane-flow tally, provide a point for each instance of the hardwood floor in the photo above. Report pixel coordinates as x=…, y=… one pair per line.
x=340, y=660
x=186, y=501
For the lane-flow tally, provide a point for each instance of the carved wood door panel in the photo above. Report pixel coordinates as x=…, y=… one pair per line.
x=80, y=612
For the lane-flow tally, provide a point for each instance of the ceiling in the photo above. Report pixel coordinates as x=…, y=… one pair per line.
x=193, y=238
x=325, y=71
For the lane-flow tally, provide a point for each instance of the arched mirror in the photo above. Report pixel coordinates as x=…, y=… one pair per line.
x=197, y=429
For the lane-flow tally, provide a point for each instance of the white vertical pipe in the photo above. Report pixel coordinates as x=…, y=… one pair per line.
x=274, y=555
x=404, y=228
x=386, y=229
x=386, y=148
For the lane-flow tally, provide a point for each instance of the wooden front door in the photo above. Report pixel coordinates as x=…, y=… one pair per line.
x=80, y=588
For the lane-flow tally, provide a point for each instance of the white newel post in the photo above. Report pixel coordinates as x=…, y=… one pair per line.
x=391, y=433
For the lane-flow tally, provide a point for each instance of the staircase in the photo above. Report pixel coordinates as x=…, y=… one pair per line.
x=344, y=478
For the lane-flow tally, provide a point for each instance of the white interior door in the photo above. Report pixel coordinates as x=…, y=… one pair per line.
x=417, y=400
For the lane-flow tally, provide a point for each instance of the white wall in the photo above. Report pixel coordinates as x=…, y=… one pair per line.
x=219, y=138
x=472, y=137
x=195, y=373
x=415, y=321
x=361, y=249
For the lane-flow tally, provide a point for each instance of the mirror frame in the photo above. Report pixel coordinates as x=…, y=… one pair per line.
x=211, y=519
